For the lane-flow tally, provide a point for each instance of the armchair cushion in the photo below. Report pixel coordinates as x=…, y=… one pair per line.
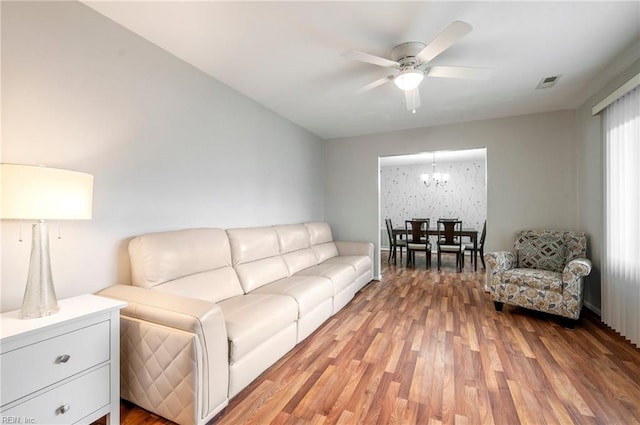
x=543, y=250
x=534, y=278
x=532, y=298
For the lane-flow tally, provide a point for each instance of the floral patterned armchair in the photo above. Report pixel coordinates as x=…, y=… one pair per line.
x=544, y=273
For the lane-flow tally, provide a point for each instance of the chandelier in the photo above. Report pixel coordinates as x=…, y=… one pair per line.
x=438, y=179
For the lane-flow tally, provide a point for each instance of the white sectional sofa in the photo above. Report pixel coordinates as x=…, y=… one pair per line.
x=211, y=309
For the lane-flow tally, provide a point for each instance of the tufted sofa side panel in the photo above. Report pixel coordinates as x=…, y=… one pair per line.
x=174, y=354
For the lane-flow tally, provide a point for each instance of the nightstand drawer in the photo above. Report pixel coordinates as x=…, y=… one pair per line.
x=67, y=403
x=36, y=366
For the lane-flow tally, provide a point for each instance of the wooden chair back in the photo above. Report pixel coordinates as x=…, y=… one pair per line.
x=392, y=240
x=416, y=230
x=447, y=229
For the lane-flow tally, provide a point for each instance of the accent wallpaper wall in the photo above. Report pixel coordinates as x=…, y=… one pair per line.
x=404, y=196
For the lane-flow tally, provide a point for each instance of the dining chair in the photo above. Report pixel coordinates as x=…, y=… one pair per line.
x=449, y=243
x=468, y=246
x=417, y=238
x=394, y=243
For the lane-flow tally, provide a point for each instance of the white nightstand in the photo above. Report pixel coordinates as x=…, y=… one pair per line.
x=64, y=368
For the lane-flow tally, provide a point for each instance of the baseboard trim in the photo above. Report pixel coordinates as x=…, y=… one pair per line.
x=592, y=308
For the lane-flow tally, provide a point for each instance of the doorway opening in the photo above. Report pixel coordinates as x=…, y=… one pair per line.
x=434, y=185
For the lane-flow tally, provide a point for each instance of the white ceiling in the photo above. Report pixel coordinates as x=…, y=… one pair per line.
x=287, y=56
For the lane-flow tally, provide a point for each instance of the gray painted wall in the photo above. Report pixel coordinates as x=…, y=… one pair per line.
x=530, y=174
x=169, y=146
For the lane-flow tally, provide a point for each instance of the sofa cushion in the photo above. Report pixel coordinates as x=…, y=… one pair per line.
x=298, y=260
x=292, y=237
x=213, y=286
x=254, y=274
x=361, y=263
x=160, y=257
x=253, y=244
x=255, y=253
x=341, y=275
x=295, y=247
x=324, y=251
x=545, y=251
x=319, y=233
x=253, y=318
x=308, y=291
x=192, y=262
x=544, y=280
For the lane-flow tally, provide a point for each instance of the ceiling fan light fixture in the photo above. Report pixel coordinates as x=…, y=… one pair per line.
x=409, y=79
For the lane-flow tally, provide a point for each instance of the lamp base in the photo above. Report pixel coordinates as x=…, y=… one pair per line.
x=39, y=295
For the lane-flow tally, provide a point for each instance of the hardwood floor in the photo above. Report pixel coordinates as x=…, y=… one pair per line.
x=427, y=347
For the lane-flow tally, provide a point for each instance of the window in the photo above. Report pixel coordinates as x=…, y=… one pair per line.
x=621, y=262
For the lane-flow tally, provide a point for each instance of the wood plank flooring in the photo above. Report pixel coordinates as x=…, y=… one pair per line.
x=427, y=347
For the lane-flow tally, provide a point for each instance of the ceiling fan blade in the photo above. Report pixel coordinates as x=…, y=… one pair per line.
x=375, y=84
x=366, y=57
x=462, y=72
x=447, y=38
x=412, y=99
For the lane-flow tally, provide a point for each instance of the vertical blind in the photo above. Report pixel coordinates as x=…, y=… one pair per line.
x=621, y=263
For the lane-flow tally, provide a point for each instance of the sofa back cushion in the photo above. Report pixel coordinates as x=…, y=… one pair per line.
x=321, y=241
x=191, y=262
x=255, y=255
x=213, y=286
x=295, y=247
x=319, y=233
x=292, y=237
x=541, y=249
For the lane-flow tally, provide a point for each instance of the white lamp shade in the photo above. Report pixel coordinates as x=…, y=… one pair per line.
x=39, y=193
x=409, y=79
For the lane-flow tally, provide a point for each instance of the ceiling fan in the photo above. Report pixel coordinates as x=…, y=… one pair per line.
x=412, y=60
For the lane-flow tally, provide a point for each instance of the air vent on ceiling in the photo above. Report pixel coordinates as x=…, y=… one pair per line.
x=547, y=82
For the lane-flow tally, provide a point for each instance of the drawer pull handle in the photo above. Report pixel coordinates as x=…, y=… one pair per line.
x=63, y=409
x=63, y=358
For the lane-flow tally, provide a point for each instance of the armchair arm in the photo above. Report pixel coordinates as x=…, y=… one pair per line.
x=177, y=346
x=354, y=248
x=500, y=260
x=573, y=273
x=572, y=285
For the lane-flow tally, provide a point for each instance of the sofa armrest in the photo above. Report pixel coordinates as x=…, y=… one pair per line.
x=354, y=248
x=187, y=314
x=176, y=345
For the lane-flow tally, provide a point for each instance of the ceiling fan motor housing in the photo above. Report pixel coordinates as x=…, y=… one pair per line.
x=405, y=53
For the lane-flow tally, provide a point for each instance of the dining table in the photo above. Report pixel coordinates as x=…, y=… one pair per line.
x=468, y=232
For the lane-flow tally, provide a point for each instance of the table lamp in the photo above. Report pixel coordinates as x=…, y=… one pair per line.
x=31, y=192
